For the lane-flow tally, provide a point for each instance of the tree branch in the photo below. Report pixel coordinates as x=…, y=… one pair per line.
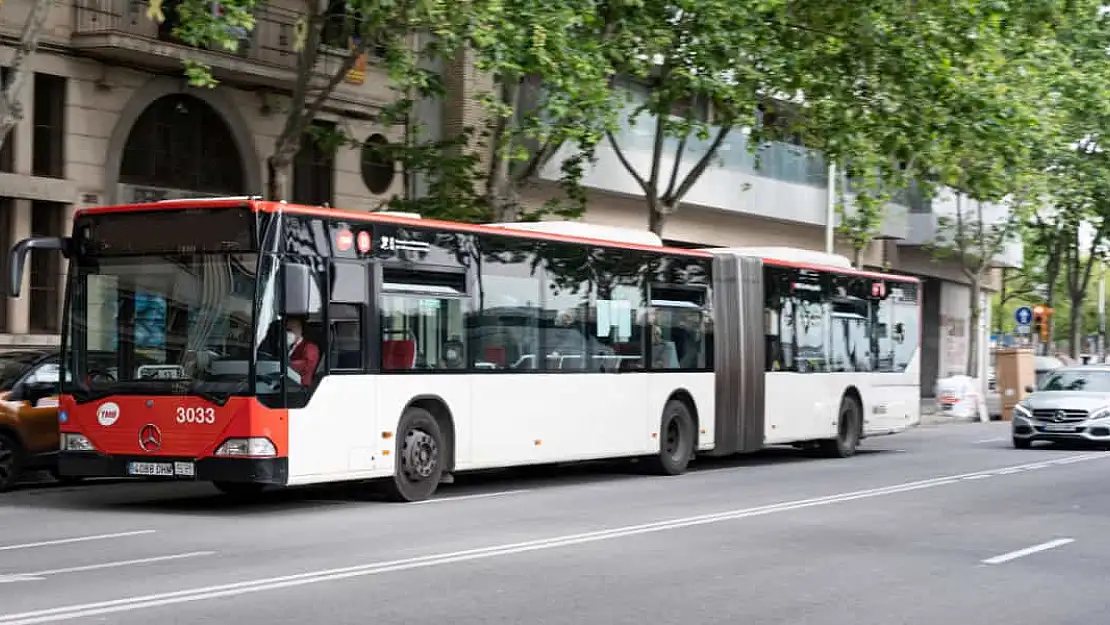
x=679, y=151
x=624, y=161
x=289, y=141
x=657, y=153
x=539, y=160
x=501, y=163
x=701, y=165
x=11, y=105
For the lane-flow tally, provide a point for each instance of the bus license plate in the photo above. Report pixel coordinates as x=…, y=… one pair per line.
x=1059, y=428
x=159, y=469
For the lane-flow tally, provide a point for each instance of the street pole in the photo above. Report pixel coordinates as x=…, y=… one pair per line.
x=830, y=212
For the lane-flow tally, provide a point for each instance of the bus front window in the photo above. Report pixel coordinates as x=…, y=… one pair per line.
x=162, y=324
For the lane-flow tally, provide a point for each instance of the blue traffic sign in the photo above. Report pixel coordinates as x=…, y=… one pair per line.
x=1023, y=315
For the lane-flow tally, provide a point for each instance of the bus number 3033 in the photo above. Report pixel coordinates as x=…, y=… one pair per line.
x=196, y=415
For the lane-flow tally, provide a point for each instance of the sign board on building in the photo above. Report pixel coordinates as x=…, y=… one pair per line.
x=136, y=194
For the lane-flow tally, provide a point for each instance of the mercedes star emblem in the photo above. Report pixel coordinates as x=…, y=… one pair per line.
x=1061, y=416
x=150, y=438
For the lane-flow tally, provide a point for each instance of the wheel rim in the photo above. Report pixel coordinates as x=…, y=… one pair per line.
x=7, y=462
x=672, y=437
x=419, y=456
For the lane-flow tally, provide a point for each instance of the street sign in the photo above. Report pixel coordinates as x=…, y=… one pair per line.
x=1023, y=315
x=1023, y=329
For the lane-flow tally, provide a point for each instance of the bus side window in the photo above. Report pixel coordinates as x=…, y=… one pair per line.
x=350, y=286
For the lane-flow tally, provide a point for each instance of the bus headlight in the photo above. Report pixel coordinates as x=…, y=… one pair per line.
x=247, y=448
x=76, y=442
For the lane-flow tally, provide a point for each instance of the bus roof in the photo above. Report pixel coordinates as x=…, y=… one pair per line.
x=804, y=258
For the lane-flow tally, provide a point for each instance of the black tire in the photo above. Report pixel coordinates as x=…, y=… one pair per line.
x=419, y=457
x=677, y=440
x=244, y=490
x=847, y=430
x=11, y=461
x=1021, y=443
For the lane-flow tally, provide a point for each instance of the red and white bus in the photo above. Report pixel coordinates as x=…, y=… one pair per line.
x=448, y=347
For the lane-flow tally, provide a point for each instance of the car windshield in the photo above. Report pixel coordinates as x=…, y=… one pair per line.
x=13, y=365
x=161, y=324
x=1091, y=381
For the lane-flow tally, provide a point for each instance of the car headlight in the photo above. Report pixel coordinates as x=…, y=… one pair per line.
x=1023, y=410
x=1098, y=415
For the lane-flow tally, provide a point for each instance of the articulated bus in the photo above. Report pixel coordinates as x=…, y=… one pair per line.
x=253, y=344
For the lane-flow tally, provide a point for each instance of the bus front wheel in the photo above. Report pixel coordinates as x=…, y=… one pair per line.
x=677, y=437
x=419, y=457
x=847, y=430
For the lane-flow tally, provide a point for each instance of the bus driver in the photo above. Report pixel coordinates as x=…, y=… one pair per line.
x=304, y=355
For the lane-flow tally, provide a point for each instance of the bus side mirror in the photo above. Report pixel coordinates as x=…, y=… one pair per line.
x=302, y=294
x=19, y=252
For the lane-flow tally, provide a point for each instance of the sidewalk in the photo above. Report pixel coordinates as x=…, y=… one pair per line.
x=931, y=416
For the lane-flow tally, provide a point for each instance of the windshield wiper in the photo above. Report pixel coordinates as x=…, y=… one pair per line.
x=220, y=398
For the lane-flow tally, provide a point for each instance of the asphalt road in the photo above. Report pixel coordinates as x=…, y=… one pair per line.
x=944, y=524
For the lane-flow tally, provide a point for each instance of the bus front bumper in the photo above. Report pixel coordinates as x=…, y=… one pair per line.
x=249, y=470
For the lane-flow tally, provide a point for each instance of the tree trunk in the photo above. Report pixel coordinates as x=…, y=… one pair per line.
x=973, y=328
x=277, y=177
x=857, y=257
x=1075, y=329
x=657, y=217
x=999, y=312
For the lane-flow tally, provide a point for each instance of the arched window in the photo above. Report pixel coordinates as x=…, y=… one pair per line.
x=180, y=142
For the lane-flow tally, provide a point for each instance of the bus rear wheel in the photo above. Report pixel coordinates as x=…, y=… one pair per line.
x=847, y=430
x=676, y=440
x=419, y=457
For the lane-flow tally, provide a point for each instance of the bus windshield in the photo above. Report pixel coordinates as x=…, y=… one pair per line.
x=176, y=324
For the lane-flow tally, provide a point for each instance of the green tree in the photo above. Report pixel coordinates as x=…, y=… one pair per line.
x=705, y=66
x=546, y=101
x=998, y=152
x=886, y=83
x=1078, y=166
x=386, y=28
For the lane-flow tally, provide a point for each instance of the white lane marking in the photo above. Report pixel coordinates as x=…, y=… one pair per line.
x=978, y=477
x=130, y=604
x=119, y=563
x=40, y=575
x=79, y=539
x=997, y=439
x=477, y=496
x=1021, y=553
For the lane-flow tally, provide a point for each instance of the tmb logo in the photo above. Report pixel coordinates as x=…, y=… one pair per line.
x=107, y=414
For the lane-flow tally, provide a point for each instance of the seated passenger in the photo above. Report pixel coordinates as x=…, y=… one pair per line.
x=304, y=356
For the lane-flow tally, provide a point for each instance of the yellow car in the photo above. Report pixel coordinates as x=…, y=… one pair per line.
x=28, y=413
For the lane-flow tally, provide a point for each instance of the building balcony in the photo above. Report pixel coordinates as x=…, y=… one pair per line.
x=777, y=181
x=933, y=224
x=119, y=31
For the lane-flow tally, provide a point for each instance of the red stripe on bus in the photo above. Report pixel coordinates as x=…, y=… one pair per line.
x=398, y=220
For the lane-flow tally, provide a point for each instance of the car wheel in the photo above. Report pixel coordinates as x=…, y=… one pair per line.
x=11, y=459
x=1022, y=443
